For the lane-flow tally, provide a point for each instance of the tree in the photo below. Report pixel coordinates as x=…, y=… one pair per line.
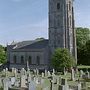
x=2, y=54
x=62, y=58
x=84, y=54
x=82, y=37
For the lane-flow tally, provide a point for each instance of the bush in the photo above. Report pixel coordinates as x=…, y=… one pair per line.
x=62, y=58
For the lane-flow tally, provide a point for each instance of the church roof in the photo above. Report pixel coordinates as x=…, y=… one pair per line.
x=34, y=44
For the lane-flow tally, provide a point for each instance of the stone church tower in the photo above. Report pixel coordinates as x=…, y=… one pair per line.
x=61, y=26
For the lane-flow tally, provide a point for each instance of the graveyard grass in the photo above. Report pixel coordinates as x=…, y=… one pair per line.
x=47, y=83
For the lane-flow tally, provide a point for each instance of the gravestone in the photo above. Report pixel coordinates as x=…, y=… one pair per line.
x=32, y=85
x=81, y=74
x=63, y=81
x=38, y=80
x=53, y=71
x=83, y=85
x=49, y=75
x=42, y=75
x=17, y=84
x=79, y=86
x=5, y=82
x=34, y=71
x=15, y=72
x=64, y=85
x=37, y=72
x=54, y=80
x=45, y=73
x=61, y=87
x=59, y=80
x=87, y=75
x=23, y=81
x=6, y=72
x=29, y=78
x=13, y=80
x=72, y=74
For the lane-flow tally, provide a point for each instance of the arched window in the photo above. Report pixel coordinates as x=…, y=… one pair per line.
x=29, y=60
x=58, y=6
x=14, y=59
x=22, y=59
x=38, y=60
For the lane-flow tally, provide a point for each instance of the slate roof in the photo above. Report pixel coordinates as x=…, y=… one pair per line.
x=34, y=44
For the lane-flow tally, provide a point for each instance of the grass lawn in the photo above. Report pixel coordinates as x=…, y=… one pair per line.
x=83, y=66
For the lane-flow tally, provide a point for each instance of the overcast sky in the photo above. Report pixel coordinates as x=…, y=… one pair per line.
x=28, y=19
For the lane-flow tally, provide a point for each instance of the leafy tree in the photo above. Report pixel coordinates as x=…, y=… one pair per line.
x=82, y=36
x=62, y=58
x=84, y=54
x=2, y=54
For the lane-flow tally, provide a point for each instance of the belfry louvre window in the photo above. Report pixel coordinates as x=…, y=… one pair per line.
x=58, y=6
x=14, y=59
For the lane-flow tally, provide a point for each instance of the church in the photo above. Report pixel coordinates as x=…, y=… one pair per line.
x=37, y=53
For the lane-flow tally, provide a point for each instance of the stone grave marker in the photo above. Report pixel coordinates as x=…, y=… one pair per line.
x=32, y=85
x=49, y=74
x=79, y=86
x=13, y=79
x=54, y=79
x=59, y=80
x=42, y=75
x=54, y=71
x=37, y=72
x=17, y=84
x=87, y=75
x=63, y=81
x=72, y=74
x=23, y=81
x=81, y=74
x=45, y=73
x=5, y=82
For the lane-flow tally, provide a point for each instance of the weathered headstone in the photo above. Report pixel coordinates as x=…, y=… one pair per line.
x=37, y=72
x=54, y=80
x=87, y=74
x=61, y=87
x=79, y=86
x=42, y=75
x=49, y=75
x=63, y=81
x=58, y=80
x=32, y=85
x=81, y=73
x=23, y=81
x=72, y=74
x=17, y=84
x=45, y=73
x=5, y=82
x=13, y=80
